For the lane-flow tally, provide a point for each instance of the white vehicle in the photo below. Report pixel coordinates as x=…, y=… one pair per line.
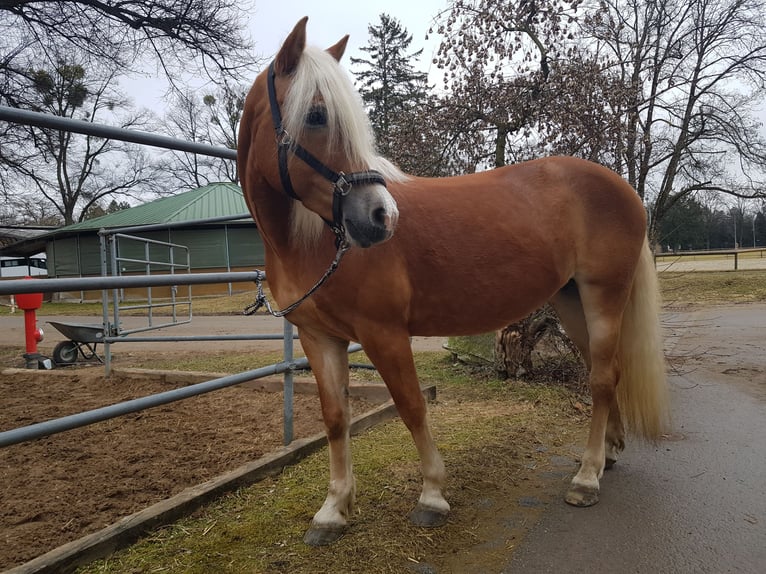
x=33, y=266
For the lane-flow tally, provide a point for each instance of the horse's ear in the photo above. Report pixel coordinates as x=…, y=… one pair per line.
x=338, y=49
x=291, y=51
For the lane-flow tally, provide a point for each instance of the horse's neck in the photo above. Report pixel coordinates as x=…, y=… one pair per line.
x=291, y=256
x=271, y=211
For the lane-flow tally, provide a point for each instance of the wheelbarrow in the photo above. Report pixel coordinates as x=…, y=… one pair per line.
x=82, y=342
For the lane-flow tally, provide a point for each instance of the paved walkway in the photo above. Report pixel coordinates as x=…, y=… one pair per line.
x=12, y=333
x=696, y=503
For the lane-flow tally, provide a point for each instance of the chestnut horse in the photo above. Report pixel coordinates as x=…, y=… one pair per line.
x=447, y=256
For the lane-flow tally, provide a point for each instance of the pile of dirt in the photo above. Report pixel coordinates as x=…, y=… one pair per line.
x=60, y=488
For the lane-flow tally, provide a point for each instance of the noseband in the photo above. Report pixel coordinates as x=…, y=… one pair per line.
x=342, y=183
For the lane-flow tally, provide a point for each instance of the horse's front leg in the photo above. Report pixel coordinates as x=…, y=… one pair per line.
x=328, y=357
x=392, y=357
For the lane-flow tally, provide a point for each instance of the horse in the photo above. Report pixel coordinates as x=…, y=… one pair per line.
x=400, y=256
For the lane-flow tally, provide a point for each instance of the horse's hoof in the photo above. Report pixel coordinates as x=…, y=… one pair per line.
x=580, y=495
x=323, y=535
x=609, y=463
x=428, y=517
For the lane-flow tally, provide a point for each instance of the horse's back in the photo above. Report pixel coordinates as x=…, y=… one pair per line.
x=554, y=190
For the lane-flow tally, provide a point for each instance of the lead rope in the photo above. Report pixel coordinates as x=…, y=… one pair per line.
x=262, y=301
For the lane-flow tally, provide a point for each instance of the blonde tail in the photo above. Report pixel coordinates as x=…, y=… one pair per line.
x=642, y=390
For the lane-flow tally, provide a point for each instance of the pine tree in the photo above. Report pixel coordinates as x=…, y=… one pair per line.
x=389, y=85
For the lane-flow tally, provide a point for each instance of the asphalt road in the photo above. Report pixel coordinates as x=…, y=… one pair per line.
x=696, y=503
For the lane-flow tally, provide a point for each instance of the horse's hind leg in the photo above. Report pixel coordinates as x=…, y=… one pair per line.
x=568, y=307
x=392, y=356
x=615, y=436
x=329, y=362
x=602, y=313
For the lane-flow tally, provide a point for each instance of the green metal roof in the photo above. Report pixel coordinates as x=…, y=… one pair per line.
x=212, y=200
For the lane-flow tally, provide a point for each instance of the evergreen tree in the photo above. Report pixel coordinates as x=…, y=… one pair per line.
x=685, y=226
x=760, y=229
x=390, y=87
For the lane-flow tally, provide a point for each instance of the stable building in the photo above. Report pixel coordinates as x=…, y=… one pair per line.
x=212, y=223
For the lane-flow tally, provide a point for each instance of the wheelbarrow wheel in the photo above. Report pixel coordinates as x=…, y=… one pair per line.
x=65, y=353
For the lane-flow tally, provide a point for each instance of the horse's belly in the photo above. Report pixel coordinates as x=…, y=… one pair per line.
x=479, y=302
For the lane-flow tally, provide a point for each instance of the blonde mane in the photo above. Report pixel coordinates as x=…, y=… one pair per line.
x=318, y=76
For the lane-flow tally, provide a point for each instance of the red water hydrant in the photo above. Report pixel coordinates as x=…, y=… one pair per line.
x=31, y=302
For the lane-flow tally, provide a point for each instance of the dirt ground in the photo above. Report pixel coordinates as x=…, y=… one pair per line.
x=57, y=489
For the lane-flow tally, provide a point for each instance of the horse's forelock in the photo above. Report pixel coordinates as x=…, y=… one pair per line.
x=319, y=76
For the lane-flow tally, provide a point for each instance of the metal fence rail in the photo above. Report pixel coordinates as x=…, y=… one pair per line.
x=286, y=367
x=85, y=418
x=30, y=118
x=712, y=260
x=17, y=286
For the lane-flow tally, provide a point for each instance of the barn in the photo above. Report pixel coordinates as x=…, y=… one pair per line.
x=212, y=222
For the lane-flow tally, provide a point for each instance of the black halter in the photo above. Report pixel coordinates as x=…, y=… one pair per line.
x=342, y=183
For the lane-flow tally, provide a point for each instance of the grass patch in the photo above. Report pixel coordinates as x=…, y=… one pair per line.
x=495, y=437
x=713, y=287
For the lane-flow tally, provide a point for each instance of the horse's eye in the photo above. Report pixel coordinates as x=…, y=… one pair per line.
x=317, y=117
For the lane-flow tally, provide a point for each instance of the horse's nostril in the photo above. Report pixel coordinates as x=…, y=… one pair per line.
x=379, y=216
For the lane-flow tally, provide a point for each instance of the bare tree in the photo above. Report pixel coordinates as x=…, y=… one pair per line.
x=693, y=71
x=72, y=172
x=122, y=35
x=497, y=57
x=178, y=37
x=582, y=110
x=212, y=119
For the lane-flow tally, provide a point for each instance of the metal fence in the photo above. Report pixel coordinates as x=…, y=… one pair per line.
x=30, y=118
x=714, y=260
x=105, y=282
x=286, y=367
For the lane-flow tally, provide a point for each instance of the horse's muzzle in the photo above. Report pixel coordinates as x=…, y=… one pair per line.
x=369, y=216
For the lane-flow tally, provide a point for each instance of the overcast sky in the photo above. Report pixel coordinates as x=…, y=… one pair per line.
x=272, y=20
x=330, y=20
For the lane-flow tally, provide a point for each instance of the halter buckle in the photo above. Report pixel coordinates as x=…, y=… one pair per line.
x=342, y=185
x=284, y=139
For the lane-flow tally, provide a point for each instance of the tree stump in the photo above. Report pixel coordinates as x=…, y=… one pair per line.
x=510, y=351
x=515, y=343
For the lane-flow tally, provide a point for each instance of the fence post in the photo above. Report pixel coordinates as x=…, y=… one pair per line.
x=736, y=261
x=288, y=382
x=104, y=252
